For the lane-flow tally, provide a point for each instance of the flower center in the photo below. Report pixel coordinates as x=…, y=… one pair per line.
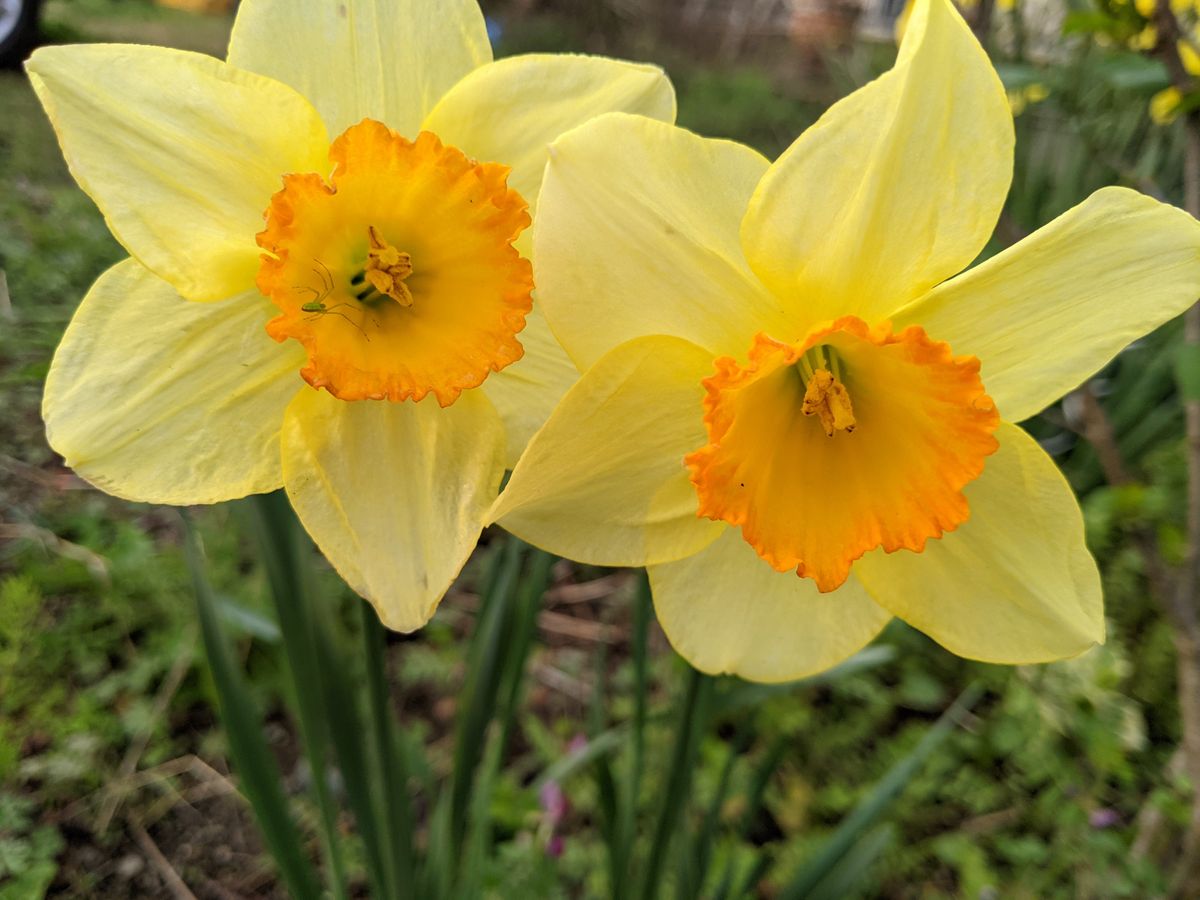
x=386, y=269
x=824, y=396
x=884, y=470
x=398, y=274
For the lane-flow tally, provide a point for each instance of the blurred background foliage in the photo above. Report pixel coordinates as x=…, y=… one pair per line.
x=1064, y=780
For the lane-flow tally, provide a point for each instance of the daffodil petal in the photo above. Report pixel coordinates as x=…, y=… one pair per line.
x=389, y=60
x=726, y=611
x=603, y=481
x=153, y=398
x=526, y=392
x=1051, y=310
x=394, y=494
x=510, y=111
x=636, y=234
x=1013, y=584
x=896, y=188
x=180, y=151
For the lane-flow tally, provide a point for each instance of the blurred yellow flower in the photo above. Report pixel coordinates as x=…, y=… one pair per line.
x=783, y=375
x=1164, y=106
x=1020, y=99
x=393, y=265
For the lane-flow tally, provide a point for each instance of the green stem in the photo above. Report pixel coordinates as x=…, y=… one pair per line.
x=485, y=661
x=692, y=722
x=637, y=734
x=256, y=768
x=275, y=531
x=393, y=772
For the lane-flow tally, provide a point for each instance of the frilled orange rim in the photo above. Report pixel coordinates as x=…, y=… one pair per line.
x=851, y=439
x=398, y=274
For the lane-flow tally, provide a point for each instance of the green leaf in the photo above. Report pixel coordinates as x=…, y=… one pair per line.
x=692, y=723
x=484, y=666
x=848, y=875
x=1187, y=371
x=252, y=758
x=840, y=845
x=278, y=537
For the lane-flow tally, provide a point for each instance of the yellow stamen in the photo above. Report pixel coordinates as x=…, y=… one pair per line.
x=387, y=268
x=828, y=399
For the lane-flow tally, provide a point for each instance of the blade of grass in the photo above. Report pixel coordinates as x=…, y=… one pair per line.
x=754, y=801
x=701, y=855
x=876, y=802
x=848, y=875
x=256, y=769
x=754, y=874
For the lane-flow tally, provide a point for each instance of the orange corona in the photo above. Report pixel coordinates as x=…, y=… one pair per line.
x=854, y=438
x=398, y=274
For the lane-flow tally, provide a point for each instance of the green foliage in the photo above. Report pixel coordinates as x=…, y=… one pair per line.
x=1040, y=796
x=27, y=850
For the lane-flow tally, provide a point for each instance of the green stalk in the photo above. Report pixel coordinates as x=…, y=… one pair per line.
x=258, y=775
x=492, y=632
x=621, y=850
x=529, y=604
x=324, y=691
x=272, y=521
x=692, y=722
x=516, y=650
x=391, y=767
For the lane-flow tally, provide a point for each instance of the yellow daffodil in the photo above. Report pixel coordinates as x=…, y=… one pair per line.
x=394, y=165
x=793, y=411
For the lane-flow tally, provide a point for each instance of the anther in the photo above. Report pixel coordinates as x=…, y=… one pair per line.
x=387, y=268
x=828, y=399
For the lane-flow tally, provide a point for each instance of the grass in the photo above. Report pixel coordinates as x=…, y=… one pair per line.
x=1041, y=797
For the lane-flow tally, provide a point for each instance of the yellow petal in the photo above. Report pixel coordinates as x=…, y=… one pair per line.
x=726, y=611
x=389, y=60
x=1048, y=312
x=896, y=188
x=526, y=392
x=181, y=153
x=636, y=234
x=603, y=482
x=394, y=494
x=1015, y=583
x=153, y=398
x=510, y=111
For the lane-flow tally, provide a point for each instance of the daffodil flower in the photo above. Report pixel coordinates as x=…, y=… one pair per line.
x=392, y=267
x=792, y=413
